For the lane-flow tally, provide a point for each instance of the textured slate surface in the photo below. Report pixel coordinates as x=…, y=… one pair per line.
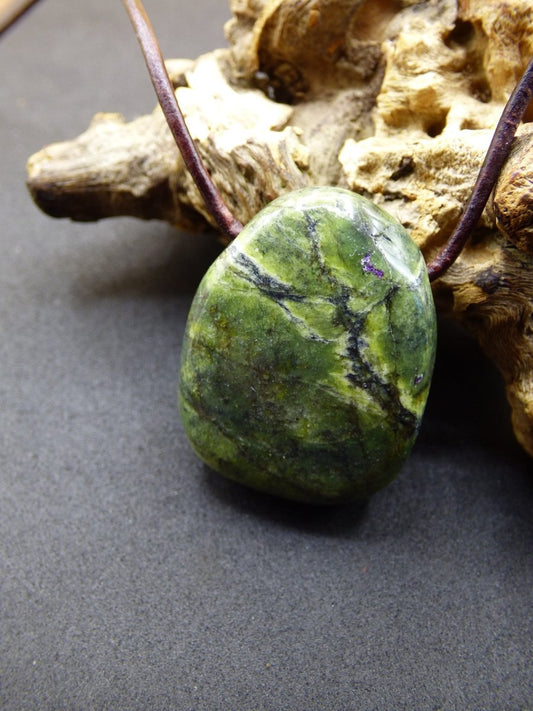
x=130, y=576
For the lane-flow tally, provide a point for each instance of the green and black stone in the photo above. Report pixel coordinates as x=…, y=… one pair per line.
x=309, y=350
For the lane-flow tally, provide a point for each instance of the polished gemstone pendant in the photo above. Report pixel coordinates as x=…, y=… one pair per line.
x=309, y=350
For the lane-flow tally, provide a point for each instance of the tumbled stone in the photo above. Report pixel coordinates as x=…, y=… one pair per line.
x=309, y=350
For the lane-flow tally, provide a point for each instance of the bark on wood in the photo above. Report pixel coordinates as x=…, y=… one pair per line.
x=395, y=99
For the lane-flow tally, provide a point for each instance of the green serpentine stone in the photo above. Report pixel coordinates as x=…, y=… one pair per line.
x=309, y=350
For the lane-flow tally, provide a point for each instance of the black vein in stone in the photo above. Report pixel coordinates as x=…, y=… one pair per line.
x=266, y=283
x=361, y=373
x=273, y=289
x=316, y=249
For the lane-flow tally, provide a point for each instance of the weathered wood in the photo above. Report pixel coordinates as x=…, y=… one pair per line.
x=394, y=99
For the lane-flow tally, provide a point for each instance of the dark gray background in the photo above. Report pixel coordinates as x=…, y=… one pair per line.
x=132, y=577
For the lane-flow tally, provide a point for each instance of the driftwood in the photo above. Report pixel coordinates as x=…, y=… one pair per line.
x=394, y=99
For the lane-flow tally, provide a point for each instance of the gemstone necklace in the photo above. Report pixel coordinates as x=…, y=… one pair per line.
x=310, y=342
